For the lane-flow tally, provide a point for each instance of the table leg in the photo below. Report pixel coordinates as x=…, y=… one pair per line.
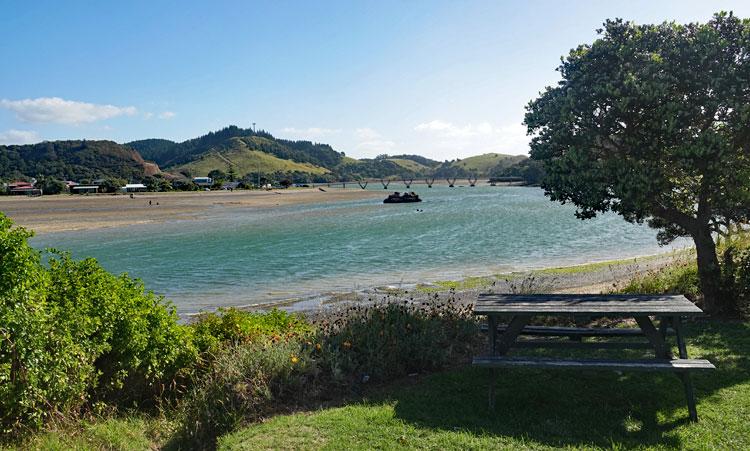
x=492, y=324
x=507, y=339
x=684, y=375
x=648, y=329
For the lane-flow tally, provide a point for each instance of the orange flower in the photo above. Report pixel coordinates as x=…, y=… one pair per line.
x=318, y=347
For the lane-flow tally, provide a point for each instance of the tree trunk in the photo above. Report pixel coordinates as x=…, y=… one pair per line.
x=709, y=272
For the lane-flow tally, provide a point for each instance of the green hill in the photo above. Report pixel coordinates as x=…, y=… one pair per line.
x=179, y=154
x=483, y=164
x=242, y=156
x=73, y=160
x=410, y=165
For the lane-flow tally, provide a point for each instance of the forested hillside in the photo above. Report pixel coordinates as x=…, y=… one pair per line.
x=73, y=160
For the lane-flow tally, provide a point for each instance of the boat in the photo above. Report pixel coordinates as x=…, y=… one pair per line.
x=398, y=198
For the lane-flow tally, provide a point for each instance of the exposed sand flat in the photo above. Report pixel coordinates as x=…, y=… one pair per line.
x=84, y=212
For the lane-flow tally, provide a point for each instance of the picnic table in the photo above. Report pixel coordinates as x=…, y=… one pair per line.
x=519, y=309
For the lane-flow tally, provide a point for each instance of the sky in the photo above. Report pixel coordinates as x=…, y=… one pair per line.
x=443, y=79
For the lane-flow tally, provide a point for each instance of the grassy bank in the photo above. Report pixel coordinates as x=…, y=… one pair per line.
x=90, y=360
x=536, y=409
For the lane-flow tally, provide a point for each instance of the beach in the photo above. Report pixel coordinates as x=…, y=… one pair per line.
x=60, y=213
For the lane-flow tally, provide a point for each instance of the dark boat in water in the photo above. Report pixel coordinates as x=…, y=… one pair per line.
x=398, y=198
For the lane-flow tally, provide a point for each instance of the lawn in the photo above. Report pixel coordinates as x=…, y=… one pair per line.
x=537, y=409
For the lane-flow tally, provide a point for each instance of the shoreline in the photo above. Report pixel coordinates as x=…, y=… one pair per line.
x=80, y=212
x=591, y=277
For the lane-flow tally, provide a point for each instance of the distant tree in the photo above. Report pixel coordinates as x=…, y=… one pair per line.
x=112, y=184
x=652, y=122
x=231, y=175
x=50, y=185
x=218, y=175
x=285, y=183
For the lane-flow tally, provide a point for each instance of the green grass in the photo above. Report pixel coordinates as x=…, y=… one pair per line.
x=483, y=164
x=410, y=165
x=468, y=283
x=537, y=409
x=246, y=160
x=126, y=433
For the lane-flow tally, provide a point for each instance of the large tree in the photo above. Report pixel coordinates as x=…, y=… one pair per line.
x=653, y=122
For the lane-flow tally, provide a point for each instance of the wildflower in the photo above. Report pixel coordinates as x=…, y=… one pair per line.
x=318, y=347
x=295, y=359
x=347, y=345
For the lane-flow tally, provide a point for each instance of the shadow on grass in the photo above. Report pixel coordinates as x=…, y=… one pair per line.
x=564, y=407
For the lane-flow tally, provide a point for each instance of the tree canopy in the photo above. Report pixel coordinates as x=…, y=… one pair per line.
x=653, y=122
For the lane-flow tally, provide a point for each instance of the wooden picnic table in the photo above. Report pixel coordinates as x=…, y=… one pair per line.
x=519, y=309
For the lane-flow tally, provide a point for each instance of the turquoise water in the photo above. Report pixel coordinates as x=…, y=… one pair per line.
x=241, y=256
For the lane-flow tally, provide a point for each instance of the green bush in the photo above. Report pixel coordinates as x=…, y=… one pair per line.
x=72, y=331
x=42, y=370
x=680, y=277
x=133, y=334
x=736, y=275
x=390, y=340
x=245, y=382
x=232, y=325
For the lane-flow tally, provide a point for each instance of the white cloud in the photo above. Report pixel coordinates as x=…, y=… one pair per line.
x=166, y=115
x=371, y=143
x=366, y=133
x=19, y=137
x=57, y=110
x=474, y=138
x=309, y=133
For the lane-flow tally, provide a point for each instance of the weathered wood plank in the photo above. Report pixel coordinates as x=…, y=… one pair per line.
x=581, y=304
x=556, y=344
x=626, y=365
x=577, y=331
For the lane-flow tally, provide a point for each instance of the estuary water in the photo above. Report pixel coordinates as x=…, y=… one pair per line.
x=243, y=256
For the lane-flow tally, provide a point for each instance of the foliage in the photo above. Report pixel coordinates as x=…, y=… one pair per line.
x=366, y=342
x=244, y=383
x=532, y=171
x=71, y=160
x=112, y=184
x=71, y=332
x=229, y=325
x=50, y=185
x=680, y=277
x=651, y=121
x=536, y=409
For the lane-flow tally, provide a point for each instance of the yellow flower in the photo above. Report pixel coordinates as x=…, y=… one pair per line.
x=295, y=359
x=318, y=347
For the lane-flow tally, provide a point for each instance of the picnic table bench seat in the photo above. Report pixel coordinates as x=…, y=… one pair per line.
x=577, y=331
x=668, y=310
x=594, y=364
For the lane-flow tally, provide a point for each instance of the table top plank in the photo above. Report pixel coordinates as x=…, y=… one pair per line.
x=584, y=304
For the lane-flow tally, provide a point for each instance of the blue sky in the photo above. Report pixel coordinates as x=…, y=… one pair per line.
x=442, y=79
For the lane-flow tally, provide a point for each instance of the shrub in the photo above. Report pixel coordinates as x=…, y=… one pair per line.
x=71, y=331
x=245, y=382
x=391, y=340
x=233, y=325
x=736, y=276
x=42, y=370
x=680, y=277
x=133, y=334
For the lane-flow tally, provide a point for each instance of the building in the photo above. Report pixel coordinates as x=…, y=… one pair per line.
x=133, y=188
x=203, y=181
x=84, y=189
x=23, y=189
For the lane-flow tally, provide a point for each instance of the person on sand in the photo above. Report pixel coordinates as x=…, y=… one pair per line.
x=149, y=203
